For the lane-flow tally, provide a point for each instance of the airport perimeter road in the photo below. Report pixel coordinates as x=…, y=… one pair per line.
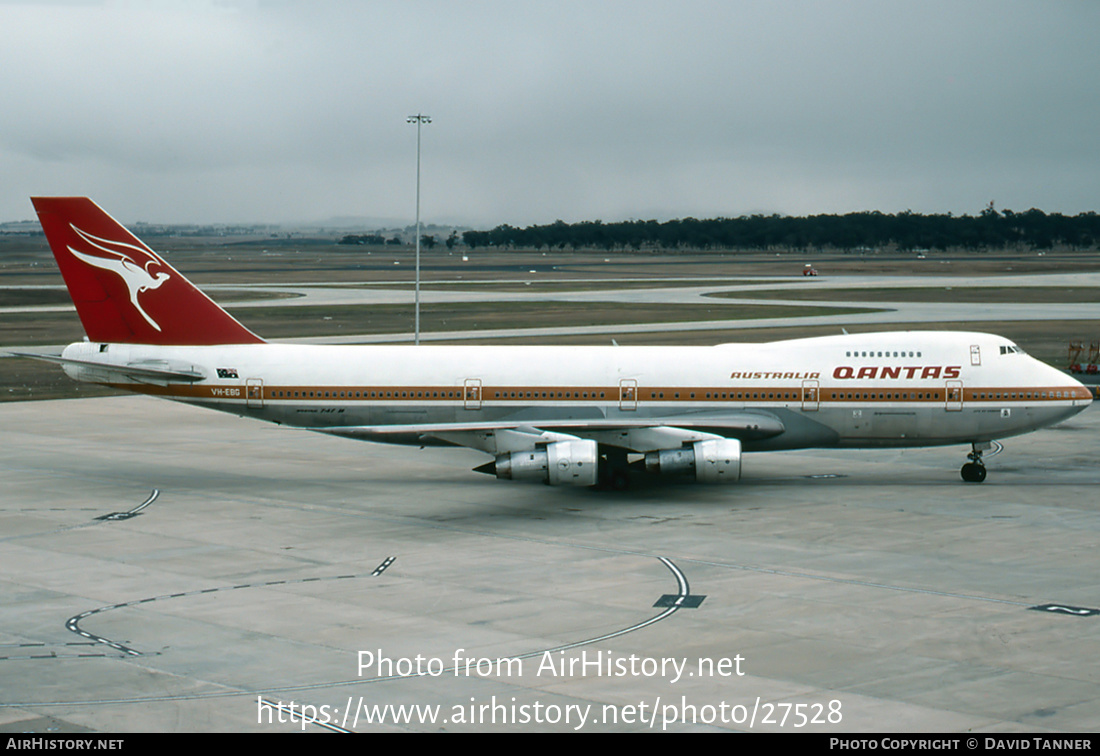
x=830, y=591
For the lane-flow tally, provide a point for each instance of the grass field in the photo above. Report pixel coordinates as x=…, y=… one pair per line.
x=27, y=260
x=37, y=328
x=291, y=322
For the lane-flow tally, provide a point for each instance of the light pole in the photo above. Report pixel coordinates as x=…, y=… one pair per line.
x=418, y=119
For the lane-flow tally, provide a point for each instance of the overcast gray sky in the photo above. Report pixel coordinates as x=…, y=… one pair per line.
x=573, y=109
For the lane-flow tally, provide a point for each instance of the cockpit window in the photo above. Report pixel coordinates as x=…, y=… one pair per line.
x=1011, y=349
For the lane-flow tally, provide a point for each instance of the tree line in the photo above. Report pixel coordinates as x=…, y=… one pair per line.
x=377, y=240
x=906, y=231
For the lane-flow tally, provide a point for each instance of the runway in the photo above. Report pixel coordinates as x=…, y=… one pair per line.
x=830, y=591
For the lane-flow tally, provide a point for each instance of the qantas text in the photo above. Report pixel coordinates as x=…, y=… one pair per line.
x=905, y=373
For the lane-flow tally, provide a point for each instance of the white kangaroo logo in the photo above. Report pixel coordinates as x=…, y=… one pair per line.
x=136, y=276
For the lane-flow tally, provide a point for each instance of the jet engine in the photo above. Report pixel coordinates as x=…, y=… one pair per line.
x=712, y=461
x=563, y=463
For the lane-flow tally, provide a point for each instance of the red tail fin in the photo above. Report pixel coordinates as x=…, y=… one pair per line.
x=123, y=291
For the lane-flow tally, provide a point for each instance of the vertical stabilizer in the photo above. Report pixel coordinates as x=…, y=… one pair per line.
x=123, y=291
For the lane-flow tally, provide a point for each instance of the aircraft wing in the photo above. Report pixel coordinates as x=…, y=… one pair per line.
x=638, y=435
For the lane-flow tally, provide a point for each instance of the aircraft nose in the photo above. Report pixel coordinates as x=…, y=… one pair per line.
x=1081, y=394
x=1069, y=387
x=1092, y=392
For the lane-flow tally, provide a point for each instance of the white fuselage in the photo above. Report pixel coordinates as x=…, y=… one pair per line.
x=883, y=389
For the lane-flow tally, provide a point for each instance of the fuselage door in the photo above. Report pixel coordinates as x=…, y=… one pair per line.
x=975, y=355
x=254, y=392
x=628, y=394
x=471, y=394
x=954, y=395
x=810, y=396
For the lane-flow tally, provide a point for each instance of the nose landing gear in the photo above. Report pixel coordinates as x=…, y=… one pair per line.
x=974, y=470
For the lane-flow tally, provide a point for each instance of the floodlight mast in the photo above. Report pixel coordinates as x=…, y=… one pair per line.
x=418, y=119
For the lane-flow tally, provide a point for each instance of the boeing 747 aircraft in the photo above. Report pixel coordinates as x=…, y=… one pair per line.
x=578, y=416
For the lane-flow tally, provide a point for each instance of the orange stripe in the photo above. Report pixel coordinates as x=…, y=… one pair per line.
x=608, y=394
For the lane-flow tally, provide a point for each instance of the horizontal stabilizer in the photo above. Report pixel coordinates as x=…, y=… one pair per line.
x=142, y=371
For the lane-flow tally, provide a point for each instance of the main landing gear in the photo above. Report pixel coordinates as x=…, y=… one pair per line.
x=974, y=470
x=614, y=471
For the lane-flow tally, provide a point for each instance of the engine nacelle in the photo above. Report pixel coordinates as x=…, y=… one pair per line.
x=563, y=463
x=713, y=461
